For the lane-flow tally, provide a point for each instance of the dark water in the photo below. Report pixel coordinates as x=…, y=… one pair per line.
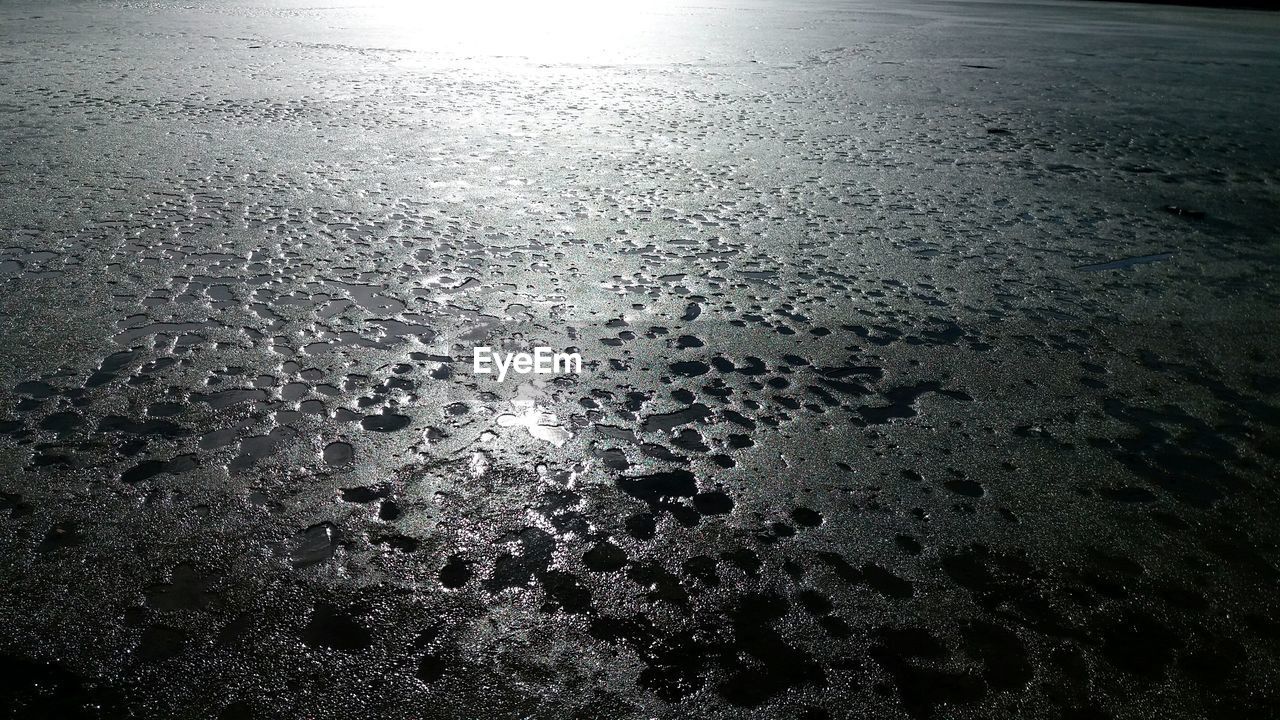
x=930, y=365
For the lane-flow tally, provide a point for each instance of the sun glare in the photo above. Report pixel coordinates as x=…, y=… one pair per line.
x=545, y=30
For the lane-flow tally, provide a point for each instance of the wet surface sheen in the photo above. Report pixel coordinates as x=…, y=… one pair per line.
x=929, y=361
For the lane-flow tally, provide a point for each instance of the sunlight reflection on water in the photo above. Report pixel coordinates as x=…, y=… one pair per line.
x=540, y=424
x=544, y=31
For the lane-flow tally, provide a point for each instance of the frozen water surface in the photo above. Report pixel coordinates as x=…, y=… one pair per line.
x=929, y=360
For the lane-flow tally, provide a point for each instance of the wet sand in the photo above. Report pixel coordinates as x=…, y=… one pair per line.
x=929, y=360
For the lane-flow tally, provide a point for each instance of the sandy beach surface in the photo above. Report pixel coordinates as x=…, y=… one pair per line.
x=929, y=360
